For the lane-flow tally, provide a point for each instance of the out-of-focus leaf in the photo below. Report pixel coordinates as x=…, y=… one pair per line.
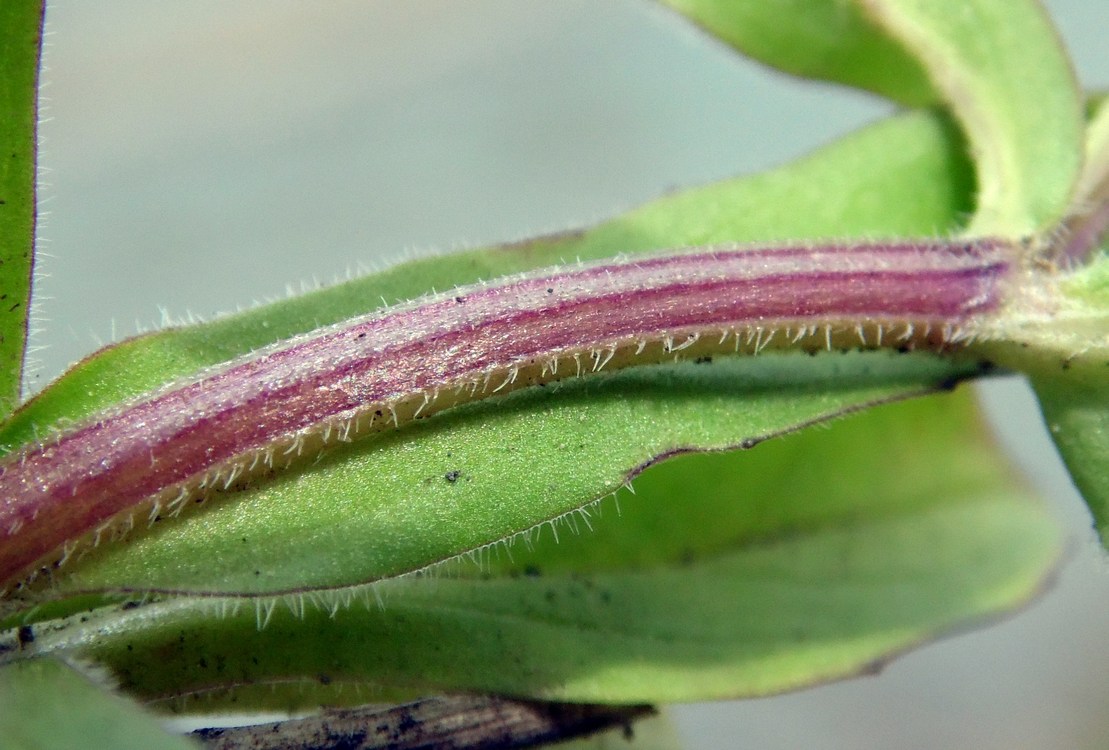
x=826, y=39
x=1004, y=73
x=1095, y=167
x=46, y=705
x=1078, y=420
x=20, y=37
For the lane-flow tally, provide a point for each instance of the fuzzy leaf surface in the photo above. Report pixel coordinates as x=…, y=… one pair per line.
x=1067, y=359
x=467, y=478
x=738, y=574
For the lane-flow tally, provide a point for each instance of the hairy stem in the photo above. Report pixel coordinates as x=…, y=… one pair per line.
x=151, y=458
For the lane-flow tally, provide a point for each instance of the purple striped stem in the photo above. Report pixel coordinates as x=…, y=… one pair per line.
x=151, y=458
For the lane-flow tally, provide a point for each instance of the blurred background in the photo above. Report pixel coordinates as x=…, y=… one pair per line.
x=201, y=157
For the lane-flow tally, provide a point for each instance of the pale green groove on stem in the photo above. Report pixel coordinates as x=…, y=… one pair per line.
x=1006, y=77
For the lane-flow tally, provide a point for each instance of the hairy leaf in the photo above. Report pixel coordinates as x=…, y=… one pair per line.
x=285, y=522
x=20, y=36
x=809, y=559
x=905, y=176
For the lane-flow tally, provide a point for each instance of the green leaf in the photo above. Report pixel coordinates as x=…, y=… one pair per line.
x=45, y=704
x=1065, y=353
x=808, y=559
x=826, y=39
x=581, y=439
x=1067, y=359
x=1078, y=420
x=20, y=36
x=1006, y=77
x=905, y=176
x=470, y=477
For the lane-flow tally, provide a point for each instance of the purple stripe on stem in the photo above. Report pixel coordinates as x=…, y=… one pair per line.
x=380, y=371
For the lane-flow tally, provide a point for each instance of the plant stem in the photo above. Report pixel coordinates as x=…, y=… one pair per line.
x=264, y=412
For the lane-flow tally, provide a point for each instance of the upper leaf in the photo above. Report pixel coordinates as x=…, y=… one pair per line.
x=826, y=39
x=997, y=64
x=1003, y=72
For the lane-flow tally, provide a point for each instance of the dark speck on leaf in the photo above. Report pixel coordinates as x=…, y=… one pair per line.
x=25, y=635
x=531, y=571
x=452, y=476
x=702, y=360
x=460, y=300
